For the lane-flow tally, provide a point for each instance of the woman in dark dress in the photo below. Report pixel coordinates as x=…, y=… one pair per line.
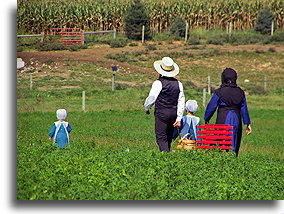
x=232, y=108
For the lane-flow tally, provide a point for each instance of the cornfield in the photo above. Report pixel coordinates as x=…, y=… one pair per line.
x=93, y=15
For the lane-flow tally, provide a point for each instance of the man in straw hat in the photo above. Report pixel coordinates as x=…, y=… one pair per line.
x=167, y=95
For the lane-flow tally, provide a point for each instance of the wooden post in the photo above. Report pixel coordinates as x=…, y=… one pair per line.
x=209, y=85
x=143, y=33
x=112, y=83
x=114, y=34
x=265, y=83
x=31, y=82
x=272, y=27
x=204, y=98
x=230, y=29
x=83, y=37
x=114, y=69
x=227, y=28
x=83, y=100
x=42, y=37
x=186, y=30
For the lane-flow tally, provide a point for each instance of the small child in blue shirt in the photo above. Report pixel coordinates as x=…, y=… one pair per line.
x=189, y=122
x=60, y=129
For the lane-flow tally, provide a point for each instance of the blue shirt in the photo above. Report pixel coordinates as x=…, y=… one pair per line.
x=215, y=101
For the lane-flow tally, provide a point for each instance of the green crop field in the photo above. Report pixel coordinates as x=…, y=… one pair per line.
x=35, y=16
x=113, y=154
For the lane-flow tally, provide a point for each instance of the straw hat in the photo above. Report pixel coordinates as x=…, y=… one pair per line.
x=166, y=67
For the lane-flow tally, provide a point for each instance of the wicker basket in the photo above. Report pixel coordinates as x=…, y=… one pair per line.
x=186, y=143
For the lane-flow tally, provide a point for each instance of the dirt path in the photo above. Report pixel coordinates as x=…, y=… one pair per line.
x=94, y=54
x=97, y=53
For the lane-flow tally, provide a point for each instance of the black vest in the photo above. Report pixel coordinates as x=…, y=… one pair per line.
x=168, y=97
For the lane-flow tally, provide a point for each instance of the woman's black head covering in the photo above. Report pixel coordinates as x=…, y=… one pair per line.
x=229, y=92
x=229, y=78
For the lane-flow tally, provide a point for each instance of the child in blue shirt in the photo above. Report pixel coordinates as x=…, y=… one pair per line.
x=60, y=130
x=189, y=122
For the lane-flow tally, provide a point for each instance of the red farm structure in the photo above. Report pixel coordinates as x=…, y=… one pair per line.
x=64, y=36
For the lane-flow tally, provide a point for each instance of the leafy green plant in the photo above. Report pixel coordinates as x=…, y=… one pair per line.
x=110, y=161
x=193, y=41
x=151, y=47
x=118, y=43
x=51, y=47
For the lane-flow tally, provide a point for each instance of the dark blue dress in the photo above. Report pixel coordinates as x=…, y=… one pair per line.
x=60, y=132
x=231, y=113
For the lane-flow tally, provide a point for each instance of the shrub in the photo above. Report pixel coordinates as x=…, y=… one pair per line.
x=271, y=49
x=264, y=20
x=151, y=47
x=118, y=43
x=216, y=40
x=136, y=17
x=255, y=89
x=193, y=41
x=77, y=47
x=50, y=47
x=278, y=36
x=133, y=44
x=178, y=27
x=243, y=38
x=162, y=36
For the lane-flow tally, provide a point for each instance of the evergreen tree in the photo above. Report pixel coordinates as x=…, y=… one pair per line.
x=136, y=17
x=178, y=27
x=264, y=20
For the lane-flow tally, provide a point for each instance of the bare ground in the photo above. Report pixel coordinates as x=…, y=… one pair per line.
x=97, y=54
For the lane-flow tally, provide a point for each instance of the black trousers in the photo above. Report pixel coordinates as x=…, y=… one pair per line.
x=164, y=120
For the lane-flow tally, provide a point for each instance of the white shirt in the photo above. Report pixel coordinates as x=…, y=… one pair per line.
x=154, y=93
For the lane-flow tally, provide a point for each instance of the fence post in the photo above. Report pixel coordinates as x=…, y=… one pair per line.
x=42, y=37
x=31, y=82
x=230, y=29
x=186, y=30
x=265, y=83
x=83, y=100
x=227, y=28
x=83, y=37
x=112, y=82
x=143, y=33
x=272, y=28
x=114, y=69
x=209, y=85
x=204, y=98
x=114, y=34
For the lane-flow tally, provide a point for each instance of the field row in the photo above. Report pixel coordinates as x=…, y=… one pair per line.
x=103, y=15
x=113, y=156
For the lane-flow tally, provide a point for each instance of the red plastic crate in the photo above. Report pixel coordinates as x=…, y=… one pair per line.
x=214, y=136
